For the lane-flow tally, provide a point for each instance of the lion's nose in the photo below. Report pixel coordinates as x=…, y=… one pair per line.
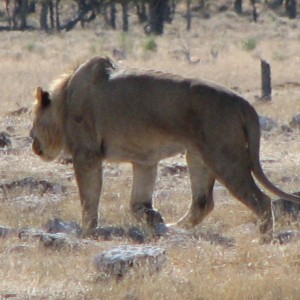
x=36, y=147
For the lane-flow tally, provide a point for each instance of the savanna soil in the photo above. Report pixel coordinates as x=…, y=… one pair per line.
x=201, y=264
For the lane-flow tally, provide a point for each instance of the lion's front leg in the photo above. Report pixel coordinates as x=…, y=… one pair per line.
x=141, y=197
x=202, y=183
x=88, y=172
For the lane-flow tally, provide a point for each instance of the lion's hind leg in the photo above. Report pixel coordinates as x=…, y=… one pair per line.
x=141, y=197
x=231, y=166
x=202, y=183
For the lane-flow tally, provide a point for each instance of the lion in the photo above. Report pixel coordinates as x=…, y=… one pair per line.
x=105, y=112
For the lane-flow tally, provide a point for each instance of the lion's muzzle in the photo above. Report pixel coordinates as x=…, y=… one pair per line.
x=36, y=147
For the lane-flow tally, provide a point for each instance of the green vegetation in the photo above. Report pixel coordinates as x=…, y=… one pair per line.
x=30, y=47
x=150, y=44
x=249, y=44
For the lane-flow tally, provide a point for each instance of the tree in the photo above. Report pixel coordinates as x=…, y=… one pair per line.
x=46, y=7
x=113, y=12
x=238, y=6
x=124, y=4
x=188, y=15
x=141, y=10
x=254, y=10
x=157, y=10
x=291, y=8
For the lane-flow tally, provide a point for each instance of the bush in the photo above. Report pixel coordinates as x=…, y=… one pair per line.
x=249, y=44
x=151, y=44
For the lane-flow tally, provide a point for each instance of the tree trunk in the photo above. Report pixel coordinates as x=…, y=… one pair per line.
x=157, y=12
x=113, y=12
x=291, y=8
x=23, y=13
x=57, y=20
x=51, y=12
x=188, y=15
x=125, y=15
x=141, y=11
x=44, y=15
x=238, y=6
x=254, y=11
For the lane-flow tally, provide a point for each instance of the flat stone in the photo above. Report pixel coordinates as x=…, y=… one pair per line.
x=266, y=123
x=30, y=233
x=58, y=225
x=174, y=169
x=282, y=207
x=118, y=261
x=287, y=236
x=58, y=241
x=40, y=186
x=136, y=234
x=7, y=231
x=109, y=232
x=5, y=140
x=296, y=121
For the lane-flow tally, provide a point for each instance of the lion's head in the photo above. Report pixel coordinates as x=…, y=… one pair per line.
x=47, y=127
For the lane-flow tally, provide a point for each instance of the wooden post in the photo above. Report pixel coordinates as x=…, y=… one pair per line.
x=266, y=87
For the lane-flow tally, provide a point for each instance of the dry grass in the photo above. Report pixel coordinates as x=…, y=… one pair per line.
x=196, y=269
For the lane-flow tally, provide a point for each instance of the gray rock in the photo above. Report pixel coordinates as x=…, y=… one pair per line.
x=30, y=233
x=5, y=140
x=40, y=186
x=7, y=231
x=58, y=241
x=296, y=121
x=282, y=207
x=109, y=232
x=266, y=123
x=287, y=236
x=118, y=261
x=174, y=169
x=136, y=234
x=58, y=225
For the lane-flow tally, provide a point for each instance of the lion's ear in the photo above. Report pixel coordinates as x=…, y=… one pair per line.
x=102, y=68
x=42, y=97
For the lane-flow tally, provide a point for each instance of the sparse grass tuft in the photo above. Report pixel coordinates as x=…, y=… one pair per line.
x=249, y=44
x=150, y=44
x=196, y=268
x=30, y=47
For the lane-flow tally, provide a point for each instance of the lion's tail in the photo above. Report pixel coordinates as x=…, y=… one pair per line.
x=252, y=129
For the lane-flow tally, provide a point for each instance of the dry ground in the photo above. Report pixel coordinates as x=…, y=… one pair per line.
x=217, y=49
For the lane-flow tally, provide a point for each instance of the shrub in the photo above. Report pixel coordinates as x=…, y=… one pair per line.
x=249, y=44
x=150, y=44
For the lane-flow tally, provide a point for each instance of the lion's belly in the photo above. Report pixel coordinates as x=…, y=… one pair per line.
x=141, y=153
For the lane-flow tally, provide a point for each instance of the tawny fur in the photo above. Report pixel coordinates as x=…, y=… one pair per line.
x=104, y=112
